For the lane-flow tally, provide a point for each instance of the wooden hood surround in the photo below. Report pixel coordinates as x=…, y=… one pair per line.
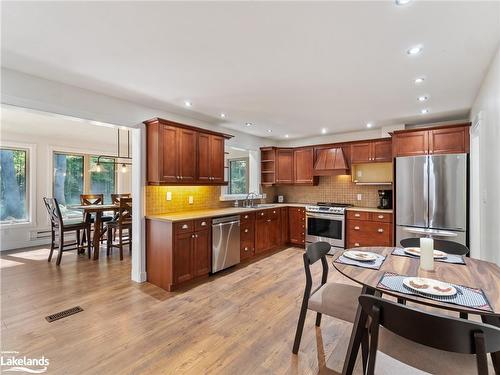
x=330, y=161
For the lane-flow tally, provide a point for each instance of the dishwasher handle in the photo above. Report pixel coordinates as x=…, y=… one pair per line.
x=226, y=223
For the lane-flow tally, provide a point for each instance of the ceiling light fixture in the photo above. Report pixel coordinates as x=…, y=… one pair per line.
x=187, y=103
x=415, y=50
x=402, y=2
x=369, y=124
x=222, y=115
x=423, y=98
x=323, y=131
x=419, y=80
x=424, y=111
x=269, y=131
x=286, y=135
x=247, y=124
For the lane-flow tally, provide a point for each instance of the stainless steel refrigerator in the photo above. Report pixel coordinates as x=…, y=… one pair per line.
x=431, y=197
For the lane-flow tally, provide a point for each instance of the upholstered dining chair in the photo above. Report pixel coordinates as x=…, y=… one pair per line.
x=449, y=247
x=334, y=299
x=437, y=344
x=122, y=222
x=60, y=226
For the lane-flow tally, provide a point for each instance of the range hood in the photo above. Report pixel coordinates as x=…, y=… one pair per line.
x=330, y=162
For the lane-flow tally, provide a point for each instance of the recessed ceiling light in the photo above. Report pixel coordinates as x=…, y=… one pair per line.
x=402, y=2
x=424, y=111
x=248, y=124
x=222, y=115
x=369, y=124
x=415, y=50
x=187, y=103
x=423, y=98
x=419, y=80
x=269, y=131
x=323, y=131
x=286, y=135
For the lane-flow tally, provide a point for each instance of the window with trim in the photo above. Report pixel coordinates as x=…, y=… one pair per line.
x=14, y=180
x=76, y=174
x=238, y=176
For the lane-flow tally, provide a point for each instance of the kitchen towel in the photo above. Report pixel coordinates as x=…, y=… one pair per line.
x=466, y=296
x=450, y=258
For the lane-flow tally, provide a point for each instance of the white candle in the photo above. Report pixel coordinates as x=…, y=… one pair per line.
x=427, y=254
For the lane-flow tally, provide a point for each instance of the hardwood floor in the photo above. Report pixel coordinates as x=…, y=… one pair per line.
x=241, y=321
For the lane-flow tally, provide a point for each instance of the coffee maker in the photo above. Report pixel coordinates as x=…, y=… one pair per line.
x=385, y=199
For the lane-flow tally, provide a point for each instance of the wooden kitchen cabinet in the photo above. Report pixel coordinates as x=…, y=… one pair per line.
x=284, y=166
x=452, y=139
x=210, y=158
x=303, y=164
x=177, y=253
x=247, y=235
x=368, y=229
x=285, y=229
x=267, y=230
x=183, y=154
x=297, y=225
x=375, y=151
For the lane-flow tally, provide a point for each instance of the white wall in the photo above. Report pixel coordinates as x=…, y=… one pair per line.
x=48, y=134
x=485, y=199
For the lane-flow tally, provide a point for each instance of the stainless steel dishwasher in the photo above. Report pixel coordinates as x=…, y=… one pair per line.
x=225, y=242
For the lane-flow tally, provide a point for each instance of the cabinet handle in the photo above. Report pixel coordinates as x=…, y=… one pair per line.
x=380, y=216
x=356, y=228
x=185, y=226
x=246, y=249
x=181, y=177
x=380, y=230
x=192, y=236
x=262, y=214
x=268, y=220
x=274, y=212
x=246, y=230
x=178, y=177
x=357, y=215
x=356, y=244
x=203, y=223
x=246, y=217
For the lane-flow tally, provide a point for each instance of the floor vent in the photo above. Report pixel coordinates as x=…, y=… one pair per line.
x=63, y=314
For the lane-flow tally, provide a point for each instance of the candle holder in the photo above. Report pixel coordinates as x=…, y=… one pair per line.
x=427, y=254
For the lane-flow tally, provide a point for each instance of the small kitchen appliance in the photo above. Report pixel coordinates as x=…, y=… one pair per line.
x=385, y=199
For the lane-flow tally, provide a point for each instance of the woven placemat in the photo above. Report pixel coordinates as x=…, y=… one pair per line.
x=450, y=258
x=467, y=297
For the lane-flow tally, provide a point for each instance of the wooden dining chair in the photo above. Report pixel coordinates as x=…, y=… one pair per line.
x=449, y=247
x=115, y=198
x=60, y=226
x=120, y=224
x=92, y=199
x=333, y=299
x=426, y=330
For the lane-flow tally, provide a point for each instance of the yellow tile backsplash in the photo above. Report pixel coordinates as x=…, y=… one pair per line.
x=204, y=197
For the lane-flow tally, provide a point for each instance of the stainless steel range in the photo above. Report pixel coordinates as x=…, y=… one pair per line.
x=326, y=222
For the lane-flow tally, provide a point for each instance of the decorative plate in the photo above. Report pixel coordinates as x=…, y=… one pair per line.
x=429, y=286
x=362, y=256
x=415, y=251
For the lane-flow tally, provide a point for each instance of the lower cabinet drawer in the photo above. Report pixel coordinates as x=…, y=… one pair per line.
x=247, y=249
x=368, y=233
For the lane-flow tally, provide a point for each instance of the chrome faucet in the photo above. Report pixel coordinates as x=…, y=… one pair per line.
x=250, y=202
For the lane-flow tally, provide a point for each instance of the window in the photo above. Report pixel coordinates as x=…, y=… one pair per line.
x=76, y=174
x=103, y=182
x=13, y=185
x=238, y=176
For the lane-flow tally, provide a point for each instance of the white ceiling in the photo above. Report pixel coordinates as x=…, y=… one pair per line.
x=292, y=67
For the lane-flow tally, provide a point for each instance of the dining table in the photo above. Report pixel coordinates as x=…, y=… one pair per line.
x=97, y=210
x=474, y=273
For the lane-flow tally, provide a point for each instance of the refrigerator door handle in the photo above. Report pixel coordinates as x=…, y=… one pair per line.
x=430, y=232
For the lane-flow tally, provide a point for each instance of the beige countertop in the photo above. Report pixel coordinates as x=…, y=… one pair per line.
x=214, y=212
x=369, y=209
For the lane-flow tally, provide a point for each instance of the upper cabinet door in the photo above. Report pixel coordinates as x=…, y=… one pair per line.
x=187, y=155
x=382, y=150
x=284, y=166
x=303, y=165
x=169, y=162
x=361, y=153
x=216, y=159
x=203, y=158
x=413, y=143
x=449, y=140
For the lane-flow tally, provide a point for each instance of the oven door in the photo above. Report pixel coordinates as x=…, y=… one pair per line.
x=325, y=227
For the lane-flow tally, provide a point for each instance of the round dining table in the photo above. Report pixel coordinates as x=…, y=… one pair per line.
x=474, y=274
